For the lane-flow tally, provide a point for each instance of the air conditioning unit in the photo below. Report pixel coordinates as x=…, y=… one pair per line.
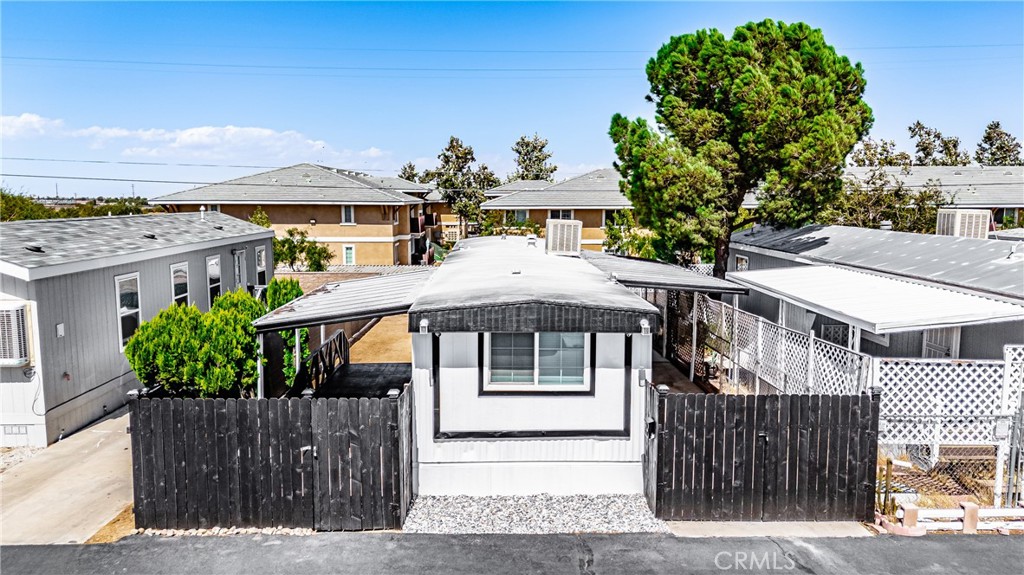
x=963, y=223
x=15, y=346
x=564, y=237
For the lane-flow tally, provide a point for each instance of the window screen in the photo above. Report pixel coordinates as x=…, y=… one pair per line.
x=512, y=358
x=560, y=359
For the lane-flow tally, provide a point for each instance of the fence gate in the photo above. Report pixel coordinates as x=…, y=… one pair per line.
x=766, y=458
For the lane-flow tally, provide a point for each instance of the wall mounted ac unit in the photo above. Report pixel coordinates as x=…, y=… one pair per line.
x=564, y=237
x=15, y=346
x=963, y=223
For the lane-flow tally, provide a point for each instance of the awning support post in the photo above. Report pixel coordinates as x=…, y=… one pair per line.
x=810, y=361
x=298, y=349
x=693, y=336
x=323, y=333
x=757, y=360
x=855, y=341
x=259, y=369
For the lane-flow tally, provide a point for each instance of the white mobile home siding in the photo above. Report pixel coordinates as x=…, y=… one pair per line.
x=528, y=465
x=84, y=374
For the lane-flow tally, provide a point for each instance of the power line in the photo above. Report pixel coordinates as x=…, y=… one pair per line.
x=127, y=163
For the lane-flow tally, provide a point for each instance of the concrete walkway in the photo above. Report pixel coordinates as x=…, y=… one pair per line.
x=801, y=529
x=71, y=489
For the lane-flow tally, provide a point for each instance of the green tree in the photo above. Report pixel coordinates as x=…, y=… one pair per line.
x=623, y=235
x=934, y=149
x=317, y=256
x=260, y=217
x=457, y=180
x=409, y=172
x=998, y=148
x=532, y=160
x=163, y=351
x=879, y=153
x=883, y=196
x=289, y=250
x=14, y=207
x=280, y=291
x=773, y=104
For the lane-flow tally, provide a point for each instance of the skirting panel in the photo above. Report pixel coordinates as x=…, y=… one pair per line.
x=530, y=478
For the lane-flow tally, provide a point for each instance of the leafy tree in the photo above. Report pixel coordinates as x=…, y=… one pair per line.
x=623, y=235
x=879, y=153
x=409, y=172
x=458, y=181
x=163, y=351
x=280, y=291
x=998, y=148
x=934, y=149
x=14, y=207
x=289, y=250
x=531, y=160
x=883, y=196
x=317, y=256
x=774, y=104
x=260, y=217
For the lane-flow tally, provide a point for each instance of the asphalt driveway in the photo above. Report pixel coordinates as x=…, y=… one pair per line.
x=376, y=553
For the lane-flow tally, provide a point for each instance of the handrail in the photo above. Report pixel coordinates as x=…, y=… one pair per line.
x=326, y=359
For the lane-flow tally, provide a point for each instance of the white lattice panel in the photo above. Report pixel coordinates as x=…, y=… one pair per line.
x=838, y=370
x=1013, y=377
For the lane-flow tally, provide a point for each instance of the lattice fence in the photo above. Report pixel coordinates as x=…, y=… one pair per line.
x=705, y=269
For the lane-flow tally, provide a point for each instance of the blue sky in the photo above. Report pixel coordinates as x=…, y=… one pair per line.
x=371, y=86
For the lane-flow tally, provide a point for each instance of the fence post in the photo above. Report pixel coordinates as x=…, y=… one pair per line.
x=970, y=517
x=810, y=360
x=259, y=369
x=693, y=335
x=757, y=359
x=997, y=495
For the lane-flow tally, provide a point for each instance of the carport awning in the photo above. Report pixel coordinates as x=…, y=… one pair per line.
x=351, y=300
x=876, y=303
x=641, y=273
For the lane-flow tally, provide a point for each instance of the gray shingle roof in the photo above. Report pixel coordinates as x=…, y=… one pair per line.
x=595, y=190
x=517, y=186
x=75, y=240
x=302, y=184
x=967, y=263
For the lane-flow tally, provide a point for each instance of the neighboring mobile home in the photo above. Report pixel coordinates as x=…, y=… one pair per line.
x=888, y=294
x=72, y=291
x=591, y=198
x=363, y=219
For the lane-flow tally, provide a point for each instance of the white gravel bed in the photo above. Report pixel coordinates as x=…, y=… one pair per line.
x=11, y=456
x=533, y=514
x=225, y=531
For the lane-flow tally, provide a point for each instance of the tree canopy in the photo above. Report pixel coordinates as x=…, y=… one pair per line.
x=532, y=160
x=773, y=104
x=998, y=148
x=461, y=185
x=879, y=153
x=883, y=196
x=934, y=149
x=409, y=172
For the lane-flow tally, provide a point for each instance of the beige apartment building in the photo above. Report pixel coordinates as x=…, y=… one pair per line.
x=364, y=219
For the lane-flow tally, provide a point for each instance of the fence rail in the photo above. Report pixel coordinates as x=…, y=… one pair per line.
x=324, y=463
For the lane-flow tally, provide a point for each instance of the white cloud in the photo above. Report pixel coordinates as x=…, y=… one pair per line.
x=372, y=152
x=27, y=125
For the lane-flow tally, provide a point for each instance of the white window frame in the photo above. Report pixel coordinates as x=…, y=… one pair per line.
x=117, y=301
x=261, y=268
x=238, y=268
x=351, y=219
x=220, y=279
x=536, y=386
x=605, y=214
x=188, y=297
x=515, y=216
x=213, y=207
x=571, y=214
x=344, y=251
x=746, y=263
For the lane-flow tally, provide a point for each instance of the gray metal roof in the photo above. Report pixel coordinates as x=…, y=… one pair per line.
x=634, y=272
x=1012, y=235
x=302, y=184
x=349, y=300
x=965, y=263
x=91, y=240
x=517, y=186
x=594, y=190
x=495, y=284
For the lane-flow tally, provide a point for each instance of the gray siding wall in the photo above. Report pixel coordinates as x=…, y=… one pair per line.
x=987, y=341
x=85, y=373
x=756, y=302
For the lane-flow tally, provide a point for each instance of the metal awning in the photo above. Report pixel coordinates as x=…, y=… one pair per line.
x=350, y=300
x=635, y=272
x=876, y=303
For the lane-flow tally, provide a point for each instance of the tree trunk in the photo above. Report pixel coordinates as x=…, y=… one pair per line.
x=721, y=255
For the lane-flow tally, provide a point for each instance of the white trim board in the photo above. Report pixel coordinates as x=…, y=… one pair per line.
x=360, y=239
x=41, y=272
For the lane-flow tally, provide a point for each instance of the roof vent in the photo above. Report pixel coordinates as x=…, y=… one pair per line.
x=517, y=272
x=218, y=227
x=35, y=249
x=563, y=237
x=531, y=240
x=149, y=236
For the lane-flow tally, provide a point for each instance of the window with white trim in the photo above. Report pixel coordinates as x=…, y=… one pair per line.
x=348, y=214
x=213, y=277
x=559, y=214
x=239, y=267
x=129, y=313
x=545, y=361
x=261, y=265
x=742, y=263
x=348, y=255
x=609, y=217
x=521, y=216
x=179, y=283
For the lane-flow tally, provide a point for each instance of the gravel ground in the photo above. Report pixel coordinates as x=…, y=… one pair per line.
x=11, y=456
x=533, y=514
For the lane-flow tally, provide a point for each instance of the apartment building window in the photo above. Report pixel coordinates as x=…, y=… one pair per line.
x=128, y=309
x=261, y=265
x=179, y=283
x=559, y=214
x=348, y=214
x=609, y=217
x=349, y=255
x=521, y=216
x=213, y=277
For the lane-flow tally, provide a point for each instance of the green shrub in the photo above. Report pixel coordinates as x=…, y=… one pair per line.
x=279, y=292
x=163, y=351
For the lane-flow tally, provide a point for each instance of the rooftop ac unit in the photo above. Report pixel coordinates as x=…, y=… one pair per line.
x=963, y=223
x=14, y=340
x=563, y=237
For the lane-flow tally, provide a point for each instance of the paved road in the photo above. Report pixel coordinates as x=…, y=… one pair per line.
x=71, y=489
x=407, y=554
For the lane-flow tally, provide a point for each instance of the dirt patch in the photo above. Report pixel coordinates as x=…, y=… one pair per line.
x=121, y=526
x=11, y=456
x=387, y=342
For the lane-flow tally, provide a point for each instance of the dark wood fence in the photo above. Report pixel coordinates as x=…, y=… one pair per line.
x=771, y=458
x=329, y=464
